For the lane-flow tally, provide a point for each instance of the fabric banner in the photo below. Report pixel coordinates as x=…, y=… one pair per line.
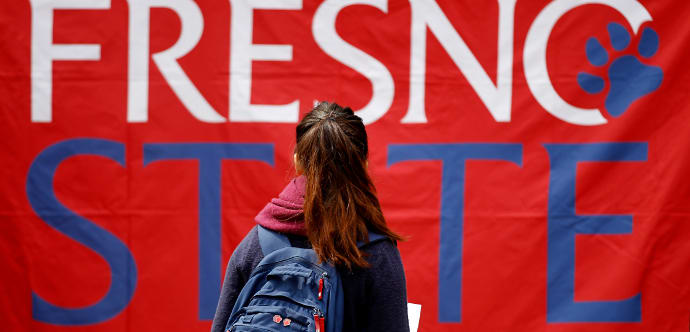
x=533, y=153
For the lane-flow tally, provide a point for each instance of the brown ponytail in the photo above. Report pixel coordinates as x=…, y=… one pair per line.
x=340, y=203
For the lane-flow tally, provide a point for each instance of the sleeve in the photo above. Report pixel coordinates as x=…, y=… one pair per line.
x=386, y=289
x=243, y=260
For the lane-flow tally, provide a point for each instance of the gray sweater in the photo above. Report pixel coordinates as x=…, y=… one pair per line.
x=375, y=297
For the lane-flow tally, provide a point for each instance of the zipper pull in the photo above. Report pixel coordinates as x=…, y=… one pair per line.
x=322, y=321
x=317, y=323
x=321, y=289
x=323, y=275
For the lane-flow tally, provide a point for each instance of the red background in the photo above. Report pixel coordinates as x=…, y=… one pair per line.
x=154, y=209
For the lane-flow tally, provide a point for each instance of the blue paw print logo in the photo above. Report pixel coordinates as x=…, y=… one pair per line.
x=630, y=79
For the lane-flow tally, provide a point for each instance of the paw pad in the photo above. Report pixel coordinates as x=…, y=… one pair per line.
x=629, y=78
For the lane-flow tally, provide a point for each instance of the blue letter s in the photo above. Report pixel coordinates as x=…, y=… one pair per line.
x=39, y=190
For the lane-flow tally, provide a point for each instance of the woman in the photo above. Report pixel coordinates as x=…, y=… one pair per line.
x=331, y=206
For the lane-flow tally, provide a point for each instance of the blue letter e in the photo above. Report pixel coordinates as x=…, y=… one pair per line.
x=564, y=224
x=39, y=189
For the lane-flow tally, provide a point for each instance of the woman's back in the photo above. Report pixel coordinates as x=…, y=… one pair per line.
x=331, y=207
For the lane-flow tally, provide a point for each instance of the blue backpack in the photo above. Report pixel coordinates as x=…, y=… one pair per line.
x=289, y=290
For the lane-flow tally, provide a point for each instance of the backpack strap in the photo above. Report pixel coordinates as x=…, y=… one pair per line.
x=271, y=241
x=373, y=237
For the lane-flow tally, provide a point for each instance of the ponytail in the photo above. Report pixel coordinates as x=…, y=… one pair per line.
x=340, y=204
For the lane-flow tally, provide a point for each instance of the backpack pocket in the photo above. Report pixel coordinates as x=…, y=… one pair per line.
x=294, y=269
x=292, y=281
x=271, y=318
x=244, y=328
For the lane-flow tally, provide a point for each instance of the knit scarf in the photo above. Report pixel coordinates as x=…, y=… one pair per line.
x=284, y=213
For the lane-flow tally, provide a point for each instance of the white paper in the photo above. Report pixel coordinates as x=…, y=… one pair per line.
x=413, y=313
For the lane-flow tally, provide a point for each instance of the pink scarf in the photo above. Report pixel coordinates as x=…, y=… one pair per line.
x=284, y=213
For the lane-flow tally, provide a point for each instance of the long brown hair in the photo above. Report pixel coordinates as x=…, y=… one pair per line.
x=340, y=203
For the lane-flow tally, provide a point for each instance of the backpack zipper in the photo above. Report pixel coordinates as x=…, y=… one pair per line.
x=319, y=321
x=323, y=275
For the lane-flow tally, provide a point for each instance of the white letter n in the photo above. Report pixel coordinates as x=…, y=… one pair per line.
x=497, y=98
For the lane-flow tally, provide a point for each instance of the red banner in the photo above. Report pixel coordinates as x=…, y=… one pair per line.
x=534, y=154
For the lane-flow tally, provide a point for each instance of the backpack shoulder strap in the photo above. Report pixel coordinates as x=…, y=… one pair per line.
x=373, y=237
x=271, y=241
